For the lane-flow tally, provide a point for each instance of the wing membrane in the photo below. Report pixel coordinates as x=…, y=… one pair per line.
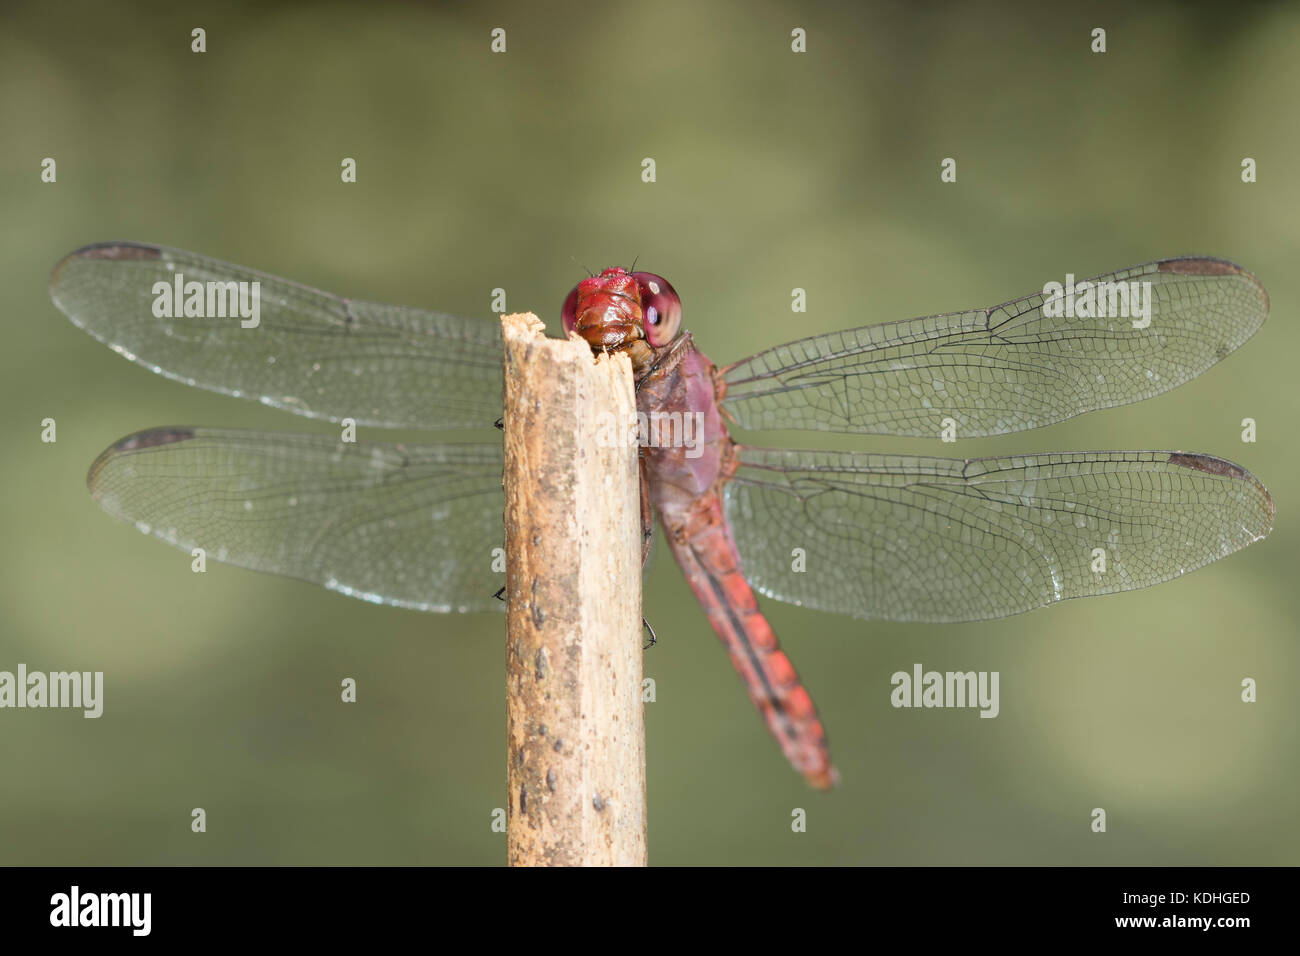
x=311, y=353
x=409, y=525
x=906, y=538
x=1002, y=369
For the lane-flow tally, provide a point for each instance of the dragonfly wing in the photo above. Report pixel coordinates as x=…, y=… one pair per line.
x=1008, y=368
x=905, y=538
x=409, y=525
x=310, y=352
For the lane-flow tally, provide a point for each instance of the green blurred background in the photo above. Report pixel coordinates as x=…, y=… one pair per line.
x=775, y=170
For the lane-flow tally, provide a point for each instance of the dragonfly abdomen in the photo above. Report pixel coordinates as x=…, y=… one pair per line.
x=707, y=554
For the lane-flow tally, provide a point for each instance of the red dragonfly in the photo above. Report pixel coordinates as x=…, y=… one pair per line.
x=894, y=537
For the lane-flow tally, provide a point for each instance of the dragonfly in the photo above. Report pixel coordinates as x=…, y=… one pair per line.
x=874, y=536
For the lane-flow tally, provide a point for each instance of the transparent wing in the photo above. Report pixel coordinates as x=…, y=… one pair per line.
x=310, y=352
x=907, y=538
x=409, y=525
x=1007, y=368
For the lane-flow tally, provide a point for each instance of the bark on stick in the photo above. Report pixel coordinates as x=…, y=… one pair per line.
x=576, y=740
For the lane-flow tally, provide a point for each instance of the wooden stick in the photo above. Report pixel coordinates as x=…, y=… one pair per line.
x=575, y=733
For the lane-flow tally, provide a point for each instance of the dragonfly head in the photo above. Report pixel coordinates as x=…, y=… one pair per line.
x=618, y=310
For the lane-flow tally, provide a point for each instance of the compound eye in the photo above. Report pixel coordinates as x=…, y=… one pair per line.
x=660, y=306
x=569, y=314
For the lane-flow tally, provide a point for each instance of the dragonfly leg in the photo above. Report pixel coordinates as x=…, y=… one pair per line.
x=647, y=516
x=653, y=640
x=501, y=594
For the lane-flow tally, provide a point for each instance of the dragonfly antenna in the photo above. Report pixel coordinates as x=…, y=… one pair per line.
x=581, y=266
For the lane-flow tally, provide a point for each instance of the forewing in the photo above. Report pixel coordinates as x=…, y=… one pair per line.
x=310, y=353
x=906, y=538
x=1007, y=368
x=410, y=525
